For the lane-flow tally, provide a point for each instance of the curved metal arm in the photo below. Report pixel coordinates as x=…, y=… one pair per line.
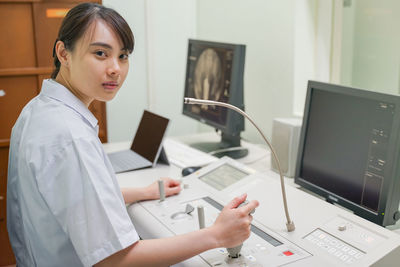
x=187, y=100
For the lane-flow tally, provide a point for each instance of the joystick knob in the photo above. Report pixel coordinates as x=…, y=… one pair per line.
x=235, y=251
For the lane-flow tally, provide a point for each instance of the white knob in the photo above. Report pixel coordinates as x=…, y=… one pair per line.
x=200, y=214
x=161, y=189
x=342, y=227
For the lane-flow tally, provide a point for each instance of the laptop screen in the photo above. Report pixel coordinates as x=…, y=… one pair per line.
x=149, y=135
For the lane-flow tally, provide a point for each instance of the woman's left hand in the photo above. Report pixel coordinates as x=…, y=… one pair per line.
x=171, y=187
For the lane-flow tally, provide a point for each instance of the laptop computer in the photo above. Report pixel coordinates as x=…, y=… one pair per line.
x=146, y=148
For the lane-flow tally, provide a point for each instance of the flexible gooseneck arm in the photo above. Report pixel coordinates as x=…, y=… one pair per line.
x=187, y=100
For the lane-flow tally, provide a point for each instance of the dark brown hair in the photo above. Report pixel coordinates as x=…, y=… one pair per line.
x=78, y=20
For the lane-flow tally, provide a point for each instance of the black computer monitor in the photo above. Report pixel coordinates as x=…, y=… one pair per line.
x=349, y=150
x=214, y=71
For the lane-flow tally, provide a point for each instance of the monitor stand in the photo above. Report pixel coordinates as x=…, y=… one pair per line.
x=228, y=146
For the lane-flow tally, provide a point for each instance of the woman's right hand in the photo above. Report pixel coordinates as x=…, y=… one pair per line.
x=232, y=226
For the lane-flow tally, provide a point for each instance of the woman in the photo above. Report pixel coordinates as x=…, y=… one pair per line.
x=65, y=207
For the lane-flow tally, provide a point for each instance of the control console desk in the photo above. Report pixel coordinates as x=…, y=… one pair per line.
x=325, y=235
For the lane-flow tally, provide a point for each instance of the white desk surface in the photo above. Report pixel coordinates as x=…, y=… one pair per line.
x=257, y=159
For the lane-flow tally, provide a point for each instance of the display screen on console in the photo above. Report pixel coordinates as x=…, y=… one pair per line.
x=223, y=176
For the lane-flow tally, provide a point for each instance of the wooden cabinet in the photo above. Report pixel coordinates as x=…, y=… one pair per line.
x=16, y=91
x=6, y=254
x=28, y=30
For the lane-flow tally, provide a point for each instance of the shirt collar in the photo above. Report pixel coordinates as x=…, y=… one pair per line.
x=53, y=89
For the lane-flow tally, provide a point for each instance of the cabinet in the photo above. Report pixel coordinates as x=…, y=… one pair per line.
x=28, y=30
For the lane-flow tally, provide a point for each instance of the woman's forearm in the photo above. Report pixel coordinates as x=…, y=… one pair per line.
x=165, y=251
x=132, y=195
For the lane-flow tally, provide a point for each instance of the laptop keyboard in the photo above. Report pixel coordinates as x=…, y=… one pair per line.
x=127, y=160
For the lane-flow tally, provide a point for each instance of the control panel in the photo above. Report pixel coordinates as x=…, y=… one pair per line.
x=325, y=235
x=261, y=245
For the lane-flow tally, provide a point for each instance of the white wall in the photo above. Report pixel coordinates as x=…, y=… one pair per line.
x=170, y=24
x=157, y=66
x=348, y=16
x=279, y=36
x=266, y=28
x=125, y=110
x=305, y=43
x=280, y=39
x=370, y=59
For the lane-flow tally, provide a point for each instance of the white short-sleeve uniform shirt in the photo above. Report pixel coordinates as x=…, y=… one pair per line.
x=64, y=205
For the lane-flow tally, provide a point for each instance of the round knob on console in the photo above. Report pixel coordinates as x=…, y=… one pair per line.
x=342, y=227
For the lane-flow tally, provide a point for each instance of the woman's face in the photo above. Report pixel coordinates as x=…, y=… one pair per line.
x=98, y=65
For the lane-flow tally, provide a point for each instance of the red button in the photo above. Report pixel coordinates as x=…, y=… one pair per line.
x=288, y=253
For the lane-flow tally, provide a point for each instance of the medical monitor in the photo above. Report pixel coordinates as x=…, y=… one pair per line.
x=214, y=71
x=349, y=150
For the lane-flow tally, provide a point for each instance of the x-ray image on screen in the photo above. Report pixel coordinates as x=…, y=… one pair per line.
x=207, y=76
x=210, y=74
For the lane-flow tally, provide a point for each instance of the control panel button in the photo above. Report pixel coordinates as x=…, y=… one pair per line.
x=288, y=253
x=334, y=246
